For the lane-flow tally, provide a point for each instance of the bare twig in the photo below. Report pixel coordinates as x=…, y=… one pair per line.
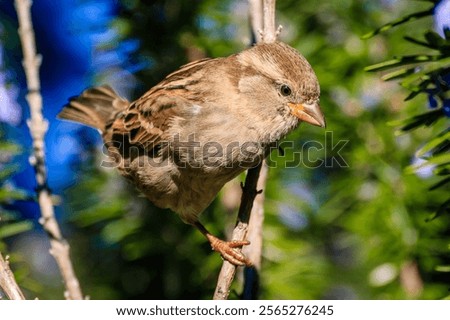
x=253, y=251
x=38, y=127
x=255, y=11
x=269, y=31
x=228, y=270
x=255, y=235
x=8, y=282
x=249, y=192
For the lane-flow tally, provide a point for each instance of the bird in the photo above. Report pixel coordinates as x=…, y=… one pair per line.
x=203, y=125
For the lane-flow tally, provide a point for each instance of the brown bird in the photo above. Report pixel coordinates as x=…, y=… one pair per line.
x=203, y=125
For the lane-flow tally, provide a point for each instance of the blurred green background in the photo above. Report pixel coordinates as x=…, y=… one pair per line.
x=361, y=228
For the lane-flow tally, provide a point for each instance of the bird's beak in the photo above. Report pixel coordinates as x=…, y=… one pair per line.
x=310, y=113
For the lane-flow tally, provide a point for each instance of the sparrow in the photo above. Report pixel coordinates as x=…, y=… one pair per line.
x=202, y=126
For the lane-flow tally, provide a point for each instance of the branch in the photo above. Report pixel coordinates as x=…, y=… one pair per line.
x=255, y=11
x=228, y=270
x=249, y=190
x=7, y=281
x=270, y=32
x=255, y=235
x=253, y=252
x=38, y=127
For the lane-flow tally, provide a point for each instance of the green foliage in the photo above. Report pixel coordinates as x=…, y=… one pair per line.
x=10, y=223
x=425, y=74
x=402, y=20
x=369, y=217
x=9, y=226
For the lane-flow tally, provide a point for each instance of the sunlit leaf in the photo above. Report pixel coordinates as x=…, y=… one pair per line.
x=443, y=268
x=405, y=60
x=433, y=143
x=398, y=74
x=405, y=19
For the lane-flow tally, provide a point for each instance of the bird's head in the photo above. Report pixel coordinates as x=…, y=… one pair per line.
x=279, y=78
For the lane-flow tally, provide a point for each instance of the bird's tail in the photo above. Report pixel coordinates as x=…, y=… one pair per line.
x=94, y=107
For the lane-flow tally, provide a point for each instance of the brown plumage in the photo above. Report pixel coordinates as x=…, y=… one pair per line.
x=202, y=125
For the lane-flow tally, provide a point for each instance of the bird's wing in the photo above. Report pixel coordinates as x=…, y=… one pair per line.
x=147, y=119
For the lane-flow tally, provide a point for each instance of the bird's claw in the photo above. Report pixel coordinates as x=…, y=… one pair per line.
x=227, y=250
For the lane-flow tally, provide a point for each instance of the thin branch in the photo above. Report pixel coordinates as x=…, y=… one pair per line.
x=38, y=127
x=251, y=186
x=255, y=11
x=255, y=235
x=228, y=270
x=270, y=31
x=8, y=282
x=253, y=251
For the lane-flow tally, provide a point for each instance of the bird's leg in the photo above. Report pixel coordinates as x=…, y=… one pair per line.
x=227, y=249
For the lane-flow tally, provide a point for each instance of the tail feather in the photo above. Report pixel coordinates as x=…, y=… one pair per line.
x=93, y=107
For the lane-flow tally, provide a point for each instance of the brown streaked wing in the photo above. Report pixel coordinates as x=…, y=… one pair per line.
x=146, y=120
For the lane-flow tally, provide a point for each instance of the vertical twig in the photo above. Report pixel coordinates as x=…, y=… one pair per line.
x=251, y=208
x=228, y=270
x=255, y=10
x=255, y=235
x=269, y=31
x=8, y=282
x=38, y=127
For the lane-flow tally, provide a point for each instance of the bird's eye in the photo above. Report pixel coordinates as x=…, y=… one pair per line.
x=285, y=90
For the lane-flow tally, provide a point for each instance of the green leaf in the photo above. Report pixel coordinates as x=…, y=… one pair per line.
x=407, y=18
x=398, y=74
x=443, y=268
x=11, y=148
x=442, y=171
x=7, y=171
x=89, y=217
x=435, y=142
x=440, y=159
x=441, y=183
x=117, y=230
x=7, y=195
x=427, y=71
x=443, y=209
x=412, y=169
x=424, y=119
x=15, y=228
x=413, y=94
x=405, y=60
x=420, y=42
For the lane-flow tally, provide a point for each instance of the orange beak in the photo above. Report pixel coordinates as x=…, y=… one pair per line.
x=310, y=113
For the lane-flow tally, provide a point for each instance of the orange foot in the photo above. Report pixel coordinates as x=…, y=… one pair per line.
x=228, y=250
